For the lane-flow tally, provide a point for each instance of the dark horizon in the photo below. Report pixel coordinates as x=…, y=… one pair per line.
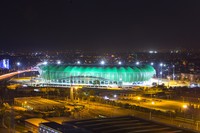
x=101, y=25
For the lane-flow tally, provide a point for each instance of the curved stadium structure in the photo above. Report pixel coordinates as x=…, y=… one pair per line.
x=95, y=75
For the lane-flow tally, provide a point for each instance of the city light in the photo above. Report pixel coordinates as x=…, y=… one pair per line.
x=119, y=62
x=185, y=106
x=18, y=63
x=137, y=63
x=152, y=63
x=115, y=96
x=161, y=64
x=106, y=97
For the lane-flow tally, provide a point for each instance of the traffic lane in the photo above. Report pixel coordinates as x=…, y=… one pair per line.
x=12, y=74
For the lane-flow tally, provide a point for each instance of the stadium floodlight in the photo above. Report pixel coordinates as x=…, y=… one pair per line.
x=58, y=62
x=45, y=62
x=137, y=63
x=78, y=62
x=119, y=62
x=102, y=62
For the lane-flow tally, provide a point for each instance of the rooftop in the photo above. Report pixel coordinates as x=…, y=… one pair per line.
x=126, y=124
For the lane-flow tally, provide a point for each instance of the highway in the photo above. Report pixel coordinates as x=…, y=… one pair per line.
x=8, y=75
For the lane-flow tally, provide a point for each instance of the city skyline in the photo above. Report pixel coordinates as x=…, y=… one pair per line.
x=99, y=25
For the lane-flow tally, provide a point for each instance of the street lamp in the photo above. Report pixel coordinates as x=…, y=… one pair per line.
x=137, y=63
x=138, y=98
x=152, y=63
x=184, y=106
x=168, y=77
x=173, y=72
x=18, y=64
x=161, y=65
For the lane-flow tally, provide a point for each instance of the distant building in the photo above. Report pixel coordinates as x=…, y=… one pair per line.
x=190, y=77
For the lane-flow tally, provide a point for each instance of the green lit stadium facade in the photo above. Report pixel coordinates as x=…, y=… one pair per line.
x=95, y=75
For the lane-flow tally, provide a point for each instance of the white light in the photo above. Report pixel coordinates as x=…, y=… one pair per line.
x=161, y=64
x=102, y=62
x=160, y=72
x=151, y=52
x=58, y=62
x=164, y=65
x=152, y=63
x=45, y=63
x=78, y=62
x=115, y=96
x=18, y=63
x=173, y=66
x=106, y=97
x=119, y=62
x=137, y=63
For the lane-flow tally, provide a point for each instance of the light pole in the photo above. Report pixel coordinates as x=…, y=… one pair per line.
x=184, y=109
x=161, y=65
x=18, y=64
x=168, y=77
x=173, y=72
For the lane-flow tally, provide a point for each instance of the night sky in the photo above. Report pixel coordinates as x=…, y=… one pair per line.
x=98, y=25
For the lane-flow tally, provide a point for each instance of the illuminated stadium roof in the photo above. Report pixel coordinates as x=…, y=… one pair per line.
x=125, y=74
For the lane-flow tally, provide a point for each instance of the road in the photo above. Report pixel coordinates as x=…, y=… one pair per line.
x=8, y=75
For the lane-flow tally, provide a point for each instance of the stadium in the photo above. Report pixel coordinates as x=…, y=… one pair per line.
x=95, y=75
